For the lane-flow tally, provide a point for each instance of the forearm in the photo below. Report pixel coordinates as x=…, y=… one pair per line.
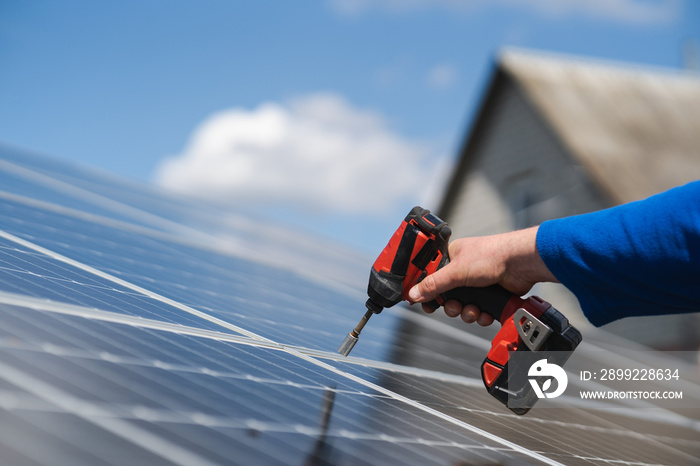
x=636, y=259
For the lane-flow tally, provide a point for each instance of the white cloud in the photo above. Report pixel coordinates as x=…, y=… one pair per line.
x=626, y=11
x=317, y=152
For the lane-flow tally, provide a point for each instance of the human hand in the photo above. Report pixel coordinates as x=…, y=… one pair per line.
x=510, y=260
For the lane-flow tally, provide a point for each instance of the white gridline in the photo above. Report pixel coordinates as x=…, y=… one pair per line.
x=422, y=441
x=167, y=301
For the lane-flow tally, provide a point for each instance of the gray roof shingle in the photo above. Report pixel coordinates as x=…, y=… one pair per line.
x=636, y=130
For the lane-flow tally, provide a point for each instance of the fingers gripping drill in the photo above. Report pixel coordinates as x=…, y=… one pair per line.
x=419, y=248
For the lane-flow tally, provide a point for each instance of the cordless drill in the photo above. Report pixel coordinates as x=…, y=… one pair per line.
x=419, y=248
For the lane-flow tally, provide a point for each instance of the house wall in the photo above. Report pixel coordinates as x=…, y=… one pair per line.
x=520, y=175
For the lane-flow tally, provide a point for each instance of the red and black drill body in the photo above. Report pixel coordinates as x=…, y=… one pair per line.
x=417, y=249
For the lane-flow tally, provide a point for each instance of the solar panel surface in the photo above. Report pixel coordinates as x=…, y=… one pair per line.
x=142, y=329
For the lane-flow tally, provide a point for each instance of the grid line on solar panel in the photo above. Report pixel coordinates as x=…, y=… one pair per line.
x=452, y=396
x=97, y=314
x=151, y=414
x=156, y=373
x=226, y=244
x=57, y=239
x=406, y=400
x=490, y=413
x=180, y=329
x=270, y=326
x=581, y=423
x=191, y=276
x=123, y=283
x=37, y=275
x=292, y=351
x=294, y=311
x=146, y=323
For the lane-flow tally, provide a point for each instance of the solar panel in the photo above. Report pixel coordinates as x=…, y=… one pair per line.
x=139, y=331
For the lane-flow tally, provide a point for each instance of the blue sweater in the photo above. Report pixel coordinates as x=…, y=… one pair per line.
x=636, y=259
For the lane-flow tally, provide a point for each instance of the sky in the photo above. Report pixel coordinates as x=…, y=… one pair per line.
x=339, y=115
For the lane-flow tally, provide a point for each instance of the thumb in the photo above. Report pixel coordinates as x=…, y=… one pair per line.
x=434, y=284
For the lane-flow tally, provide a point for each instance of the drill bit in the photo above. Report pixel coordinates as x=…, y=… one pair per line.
x=347, y=345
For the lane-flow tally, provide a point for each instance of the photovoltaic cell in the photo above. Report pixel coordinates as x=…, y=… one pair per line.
x=129, y=336
x=225, y=287
x=168, y=382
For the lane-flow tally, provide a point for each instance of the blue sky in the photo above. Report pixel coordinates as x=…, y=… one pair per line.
x=384, y=90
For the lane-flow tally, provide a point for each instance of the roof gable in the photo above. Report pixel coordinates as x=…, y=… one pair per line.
x=636, y=130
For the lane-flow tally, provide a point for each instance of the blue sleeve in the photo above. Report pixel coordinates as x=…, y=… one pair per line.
x=636, y=259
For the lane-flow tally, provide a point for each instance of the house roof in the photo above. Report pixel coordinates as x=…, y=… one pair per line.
x=636, y=130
